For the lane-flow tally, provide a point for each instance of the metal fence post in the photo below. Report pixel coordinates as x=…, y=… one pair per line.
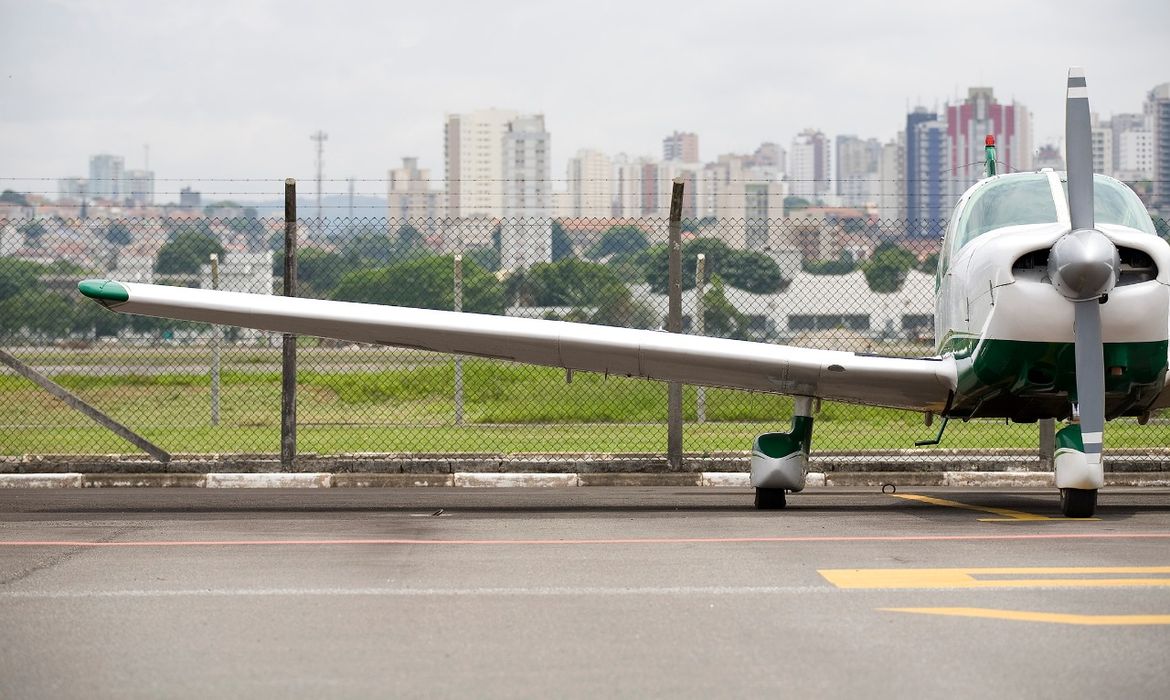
x=215, y=333
x=288, y=383
x=674, y=438
x=458, y=358
x=697, y=325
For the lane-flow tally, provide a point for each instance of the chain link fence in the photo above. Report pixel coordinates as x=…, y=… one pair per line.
x=843, y=283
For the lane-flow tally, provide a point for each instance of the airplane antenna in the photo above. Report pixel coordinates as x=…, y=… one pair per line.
x=320, y=138
x=989, y=151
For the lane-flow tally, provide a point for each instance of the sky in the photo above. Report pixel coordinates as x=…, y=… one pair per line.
x=233, y=90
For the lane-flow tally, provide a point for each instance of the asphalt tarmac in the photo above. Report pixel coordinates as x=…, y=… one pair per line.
x=580, y=592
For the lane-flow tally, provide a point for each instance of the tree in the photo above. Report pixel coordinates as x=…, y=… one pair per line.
x=747, y=270
x=569, y=282
x=37, y=311
x=118, y=233
x=888, y=266
x=720, y=317
x=930, y=265
x=17, y=276
x=34, y=231
x=792, y=203
x=186, y=252
x=424, y=283
x=620, y=242
x=562, y=247
x=318, y=271
x=10, y=197
x=843, y=265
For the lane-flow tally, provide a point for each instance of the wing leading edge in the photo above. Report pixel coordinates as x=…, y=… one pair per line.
x=914, y=384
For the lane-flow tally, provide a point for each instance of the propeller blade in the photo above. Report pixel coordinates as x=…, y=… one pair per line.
x=1090, y=367
x=1078, y=135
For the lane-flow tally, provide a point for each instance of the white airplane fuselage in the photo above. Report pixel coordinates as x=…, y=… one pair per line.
x=1010, y=330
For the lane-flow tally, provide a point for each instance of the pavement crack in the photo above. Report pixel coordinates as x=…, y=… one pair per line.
x=60, y=557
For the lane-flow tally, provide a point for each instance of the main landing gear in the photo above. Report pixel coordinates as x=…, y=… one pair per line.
x=780, y=460
x=1078, y=474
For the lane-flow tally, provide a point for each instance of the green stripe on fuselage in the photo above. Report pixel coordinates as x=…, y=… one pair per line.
x=1025, y=368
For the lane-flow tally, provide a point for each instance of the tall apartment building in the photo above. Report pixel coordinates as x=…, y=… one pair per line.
x=891, y=193
x=970, y=122
x=1102, y=136
x=1157, y=110
x=527, y=173
x=138, y=188
x=591, y=184
x=809, y=165
x=105, y=176
x=409, y=194
x=681, y=145
x=927, y=159
x=1135, y=155
x=1122, y=124
x=858, y=161
x=473, y=153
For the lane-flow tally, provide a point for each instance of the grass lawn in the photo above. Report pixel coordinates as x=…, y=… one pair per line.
x=410, y=407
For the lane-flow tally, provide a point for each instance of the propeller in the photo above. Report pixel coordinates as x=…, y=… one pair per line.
x=1083, y=266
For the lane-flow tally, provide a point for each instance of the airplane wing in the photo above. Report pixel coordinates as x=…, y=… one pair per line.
x=914, y=384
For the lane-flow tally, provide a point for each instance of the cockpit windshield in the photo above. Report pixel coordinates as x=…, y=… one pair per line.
x=1011, y=201
x=1020, y=200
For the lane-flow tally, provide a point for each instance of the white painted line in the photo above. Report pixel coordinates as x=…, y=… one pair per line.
x=732, y=479
x=1078, y=92
x=41, y=481
x=478, y=480
x=422, y=592
x=269, y=480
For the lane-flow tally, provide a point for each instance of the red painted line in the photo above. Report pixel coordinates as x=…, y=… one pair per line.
x=647, y=540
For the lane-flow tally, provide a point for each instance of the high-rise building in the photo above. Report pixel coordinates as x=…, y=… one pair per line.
x=473, y=151
x=809, y=164
x=681, y=145
x=1157, y=109
x=858, y=161
x=527, y=170
x=138, y=188
x=591, y=191
x=105, y=176
x=409, y=194
x=1122, y=124
x=926, y=172
x=1135, y=157
x=970, y=122
x=892, y=179
x=1102, y=136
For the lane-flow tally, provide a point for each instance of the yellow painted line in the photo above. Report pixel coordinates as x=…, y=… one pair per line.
x=1029, y=616
x=1012, y=577
x=1006, y=514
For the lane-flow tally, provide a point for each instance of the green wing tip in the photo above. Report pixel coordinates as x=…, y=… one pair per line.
x=103, y=290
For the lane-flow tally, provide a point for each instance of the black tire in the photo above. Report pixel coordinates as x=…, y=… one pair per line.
x=1078, y=503
x=769, y=499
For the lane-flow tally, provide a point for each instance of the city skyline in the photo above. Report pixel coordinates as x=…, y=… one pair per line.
x=233, y=90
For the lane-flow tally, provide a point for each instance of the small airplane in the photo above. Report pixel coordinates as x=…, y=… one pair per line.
x=1052, y=301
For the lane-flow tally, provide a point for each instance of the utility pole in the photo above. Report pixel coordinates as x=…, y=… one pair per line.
x=320, y=137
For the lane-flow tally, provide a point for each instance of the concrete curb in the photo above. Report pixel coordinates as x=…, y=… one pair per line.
x=1010, y=479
